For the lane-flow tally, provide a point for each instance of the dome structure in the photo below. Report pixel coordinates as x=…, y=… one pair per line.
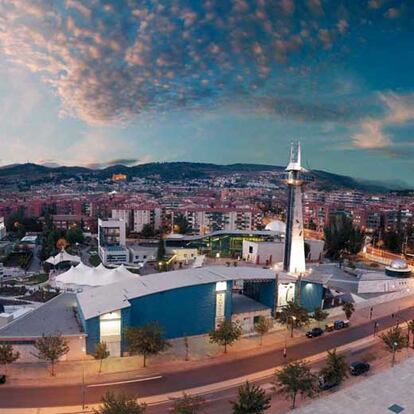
x=399, y=264
x=277, y=226
x=398, y=268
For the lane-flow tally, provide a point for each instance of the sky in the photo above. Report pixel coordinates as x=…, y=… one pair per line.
x=97, y=82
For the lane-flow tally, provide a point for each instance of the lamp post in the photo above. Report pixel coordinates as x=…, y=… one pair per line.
x=291, y=326
x=394, y=349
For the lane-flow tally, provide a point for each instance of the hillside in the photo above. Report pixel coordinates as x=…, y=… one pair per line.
x=167, y=171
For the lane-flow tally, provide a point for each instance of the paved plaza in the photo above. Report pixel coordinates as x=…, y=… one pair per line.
x=390, y=392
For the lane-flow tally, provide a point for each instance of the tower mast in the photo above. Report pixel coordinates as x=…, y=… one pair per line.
x=294, y=255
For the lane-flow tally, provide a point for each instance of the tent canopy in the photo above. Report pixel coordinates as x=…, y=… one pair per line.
x=63, y=256
x=83, y=275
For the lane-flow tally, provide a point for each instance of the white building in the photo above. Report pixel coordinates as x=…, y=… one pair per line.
x=2, y=229
x=147, y=215
x=204, y=221
x=123, y=214
x=263, y=253
x=112, y=241
x=268, y=253
x=142, y=254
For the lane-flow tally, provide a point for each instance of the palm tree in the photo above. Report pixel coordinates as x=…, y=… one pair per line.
x=319, y=315
x=349, y=309
x=294, y=315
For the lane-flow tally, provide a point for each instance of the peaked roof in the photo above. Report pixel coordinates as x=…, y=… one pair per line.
x=63, y=256
x=83, y=275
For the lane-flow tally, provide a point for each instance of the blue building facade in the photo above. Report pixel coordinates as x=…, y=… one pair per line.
x=183, y=311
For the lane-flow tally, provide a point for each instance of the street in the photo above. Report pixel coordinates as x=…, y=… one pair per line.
x=62, y=395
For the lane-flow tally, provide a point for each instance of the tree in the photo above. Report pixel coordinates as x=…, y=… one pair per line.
x=319, y=315
x=262, y=327
x=74, y=235
x=410, y=326
x=394, y=340
x=7, y=355
x=145, y=340
x=226, y=334
x=51, y=348
x=294, y=315
x=341, y=236
x=349, y=309
x=188, y=404
x=120, y=404
x=295, y=378
x=252, y=399
x=336, y=368
x=181, y=224
x=101, y=353
x=147, y=231
x=161, y=249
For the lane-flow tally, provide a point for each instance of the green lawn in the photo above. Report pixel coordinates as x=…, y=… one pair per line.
x=34, y=280
x=94, y=260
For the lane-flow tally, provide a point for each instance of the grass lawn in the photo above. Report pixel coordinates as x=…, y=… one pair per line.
x=94, y=260
x=35, y=279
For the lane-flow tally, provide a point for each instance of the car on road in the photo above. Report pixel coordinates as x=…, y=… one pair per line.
x=359, y=368
x=2, y=379
x=314, y=332
x=326, y=384
x=336, y=325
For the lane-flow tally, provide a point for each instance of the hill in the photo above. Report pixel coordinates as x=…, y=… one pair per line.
x=168, y=171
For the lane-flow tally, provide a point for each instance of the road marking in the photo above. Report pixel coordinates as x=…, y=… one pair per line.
x=107, y=384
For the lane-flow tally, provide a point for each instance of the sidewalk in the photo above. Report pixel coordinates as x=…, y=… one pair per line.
x=201, y=353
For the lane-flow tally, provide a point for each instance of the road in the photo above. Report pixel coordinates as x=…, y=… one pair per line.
x=201, y=376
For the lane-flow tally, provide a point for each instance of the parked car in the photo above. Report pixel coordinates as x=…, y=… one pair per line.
x=326, y=384
x=2, y=378
x=359, y=368
x=314, y=332
x=336, y=325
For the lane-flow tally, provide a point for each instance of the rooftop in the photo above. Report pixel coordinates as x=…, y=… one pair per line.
x=116, y=296
x=52, y=318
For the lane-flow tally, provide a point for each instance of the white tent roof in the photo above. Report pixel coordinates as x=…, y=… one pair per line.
x=63, y=256
x=83, y=275
x=95, y=302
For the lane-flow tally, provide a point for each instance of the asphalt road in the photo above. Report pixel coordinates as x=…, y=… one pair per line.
x=18, y=397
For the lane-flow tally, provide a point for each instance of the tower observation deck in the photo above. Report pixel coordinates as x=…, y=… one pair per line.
x=296, y=177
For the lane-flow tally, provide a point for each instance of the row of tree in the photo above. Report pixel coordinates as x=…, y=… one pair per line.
x=295, y=378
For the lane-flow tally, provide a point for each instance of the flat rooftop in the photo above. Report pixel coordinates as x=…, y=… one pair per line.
x=53, y=317
x=244, y=304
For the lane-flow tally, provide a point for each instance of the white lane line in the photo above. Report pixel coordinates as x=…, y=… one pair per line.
x=107, y=384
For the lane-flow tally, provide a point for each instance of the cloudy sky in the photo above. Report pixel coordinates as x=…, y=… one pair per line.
x=92, y=81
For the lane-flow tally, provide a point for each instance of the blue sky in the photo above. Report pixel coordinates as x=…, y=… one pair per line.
x=94, y=82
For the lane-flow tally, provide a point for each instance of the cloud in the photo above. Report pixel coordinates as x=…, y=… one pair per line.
x=371, y=135
x=398, y=110
x=305, y=111
x=129, y=162
x=109, y=61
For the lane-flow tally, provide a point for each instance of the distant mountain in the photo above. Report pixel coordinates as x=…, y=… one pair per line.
x=167, y=171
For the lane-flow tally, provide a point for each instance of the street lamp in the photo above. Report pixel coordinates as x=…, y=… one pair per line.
x=394, y=349
x=291, y=327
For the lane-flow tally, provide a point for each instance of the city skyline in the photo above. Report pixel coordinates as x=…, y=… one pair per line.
x=89, y=83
